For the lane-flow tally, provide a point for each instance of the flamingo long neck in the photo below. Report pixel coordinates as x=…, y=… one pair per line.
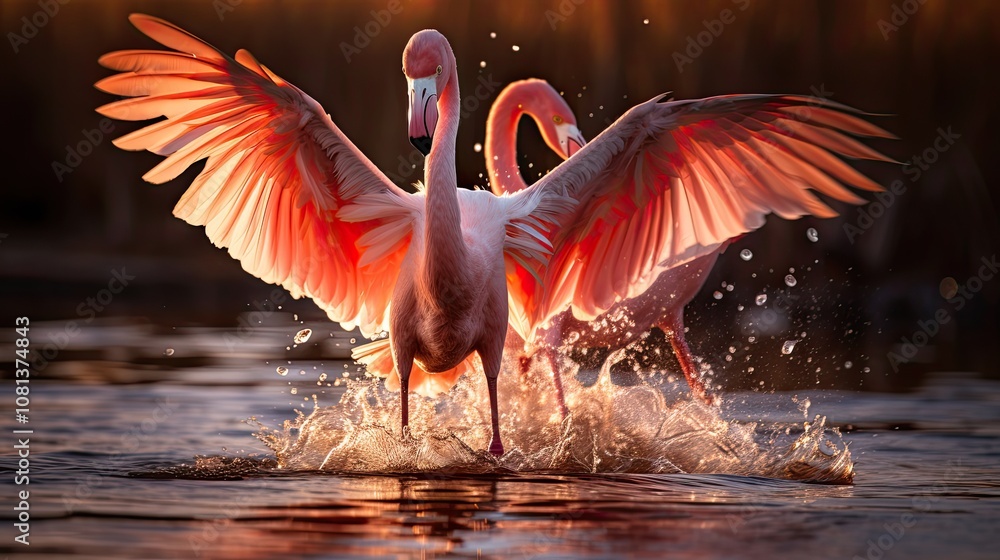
x=501, y=144
x=445, y=250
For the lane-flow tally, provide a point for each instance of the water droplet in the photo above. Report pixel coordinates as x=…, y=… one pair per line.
x=294, y=390
x=302, y=336
x=812, y=235
x=573, y=337
x=867, y=369
x=752, y=339
x=353, y=340
x=746, y=254
x=295, y=316
x=168, y=352
x=739, y=307
x=282, y=370
x=482, y=64
x=346, y=374
x=322, y=377
x=730, y=287
x=790, y=281
x=515, y=48
x=493, y=35
x=645, y=22
x=477, y=147
x=761, y=299
x=788, y=346
x=848, y=365
x=717, y=294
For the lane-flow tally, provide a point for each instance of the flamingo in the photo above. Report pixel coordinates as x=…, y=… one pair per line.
x=661, y=305
x=445, y=270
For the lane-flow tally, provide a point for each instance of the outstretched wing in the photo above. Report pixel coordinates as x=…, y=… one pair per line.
x=283, y=188
x=671, y=181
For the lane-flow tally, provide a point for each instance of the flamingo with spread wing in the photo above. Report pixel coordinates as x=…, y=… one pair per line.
x=625, y=322
x=444, y=270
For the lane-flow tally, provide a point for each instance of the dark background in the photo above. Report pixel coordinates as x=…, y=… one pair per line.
x=60, y=240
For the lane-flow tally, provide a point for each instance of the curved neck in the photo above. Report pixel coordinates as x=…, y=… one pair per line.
x=444, y=248
x=501, y=145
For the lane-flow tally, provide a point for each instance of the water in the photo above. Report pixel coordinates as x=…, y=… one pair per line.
x=141, y=455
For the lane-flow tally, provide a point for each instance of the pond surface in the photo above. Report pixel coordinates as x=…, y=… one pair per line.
x=143, y=448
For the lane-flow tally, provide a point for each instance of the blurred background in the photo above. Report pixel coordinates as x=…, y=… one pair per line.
x=75, y=212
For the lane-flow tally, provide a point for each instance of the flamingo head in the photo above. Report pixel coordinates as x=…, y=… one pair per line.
x=429, y=64
x=555, y=119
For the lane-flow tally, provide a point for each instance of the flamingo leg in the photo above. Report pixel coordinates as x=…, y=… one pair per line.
x=674, y=329
x=557, y=381
x=404, y=364
x=491, y=365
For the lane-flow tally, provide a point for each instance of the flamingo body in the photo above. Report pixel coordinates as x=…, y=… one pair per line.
x=662, y=305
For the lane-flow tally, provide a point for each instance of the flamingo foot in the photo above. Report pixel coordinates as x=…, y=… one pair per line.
x=496, y=446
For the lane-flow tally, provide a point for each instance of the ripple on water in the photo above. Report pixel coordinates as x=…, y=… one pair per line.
x=652, y=427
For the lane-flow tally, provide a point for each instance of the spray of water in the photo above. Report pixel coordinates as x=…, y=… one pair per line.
x=650, y=427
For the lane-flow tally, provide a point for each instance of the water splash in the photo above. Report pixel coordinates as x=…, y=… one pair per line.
x=788, y=346
x=653, y=426
x=302, y=336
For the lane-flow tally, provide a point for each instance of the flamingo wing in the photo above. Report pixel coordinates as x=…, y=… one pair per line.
x=671, y=181
x=283, y=188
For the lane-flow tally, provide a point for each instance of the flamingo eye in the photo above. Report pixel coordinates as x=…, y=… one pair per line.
x=557, y=119
x=438, y=71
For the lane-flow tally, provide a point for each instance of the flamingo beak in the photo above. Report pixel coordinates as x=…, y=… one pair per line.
x=570, y=139
x=423, y=112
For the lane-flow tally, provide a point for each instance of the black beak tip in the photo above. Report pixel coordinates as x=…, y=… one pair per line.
x=422, y=143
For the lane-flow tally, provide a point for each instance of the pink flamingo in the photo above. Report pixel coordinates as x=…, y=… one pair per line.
x=444, y=270
x=661, y=305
